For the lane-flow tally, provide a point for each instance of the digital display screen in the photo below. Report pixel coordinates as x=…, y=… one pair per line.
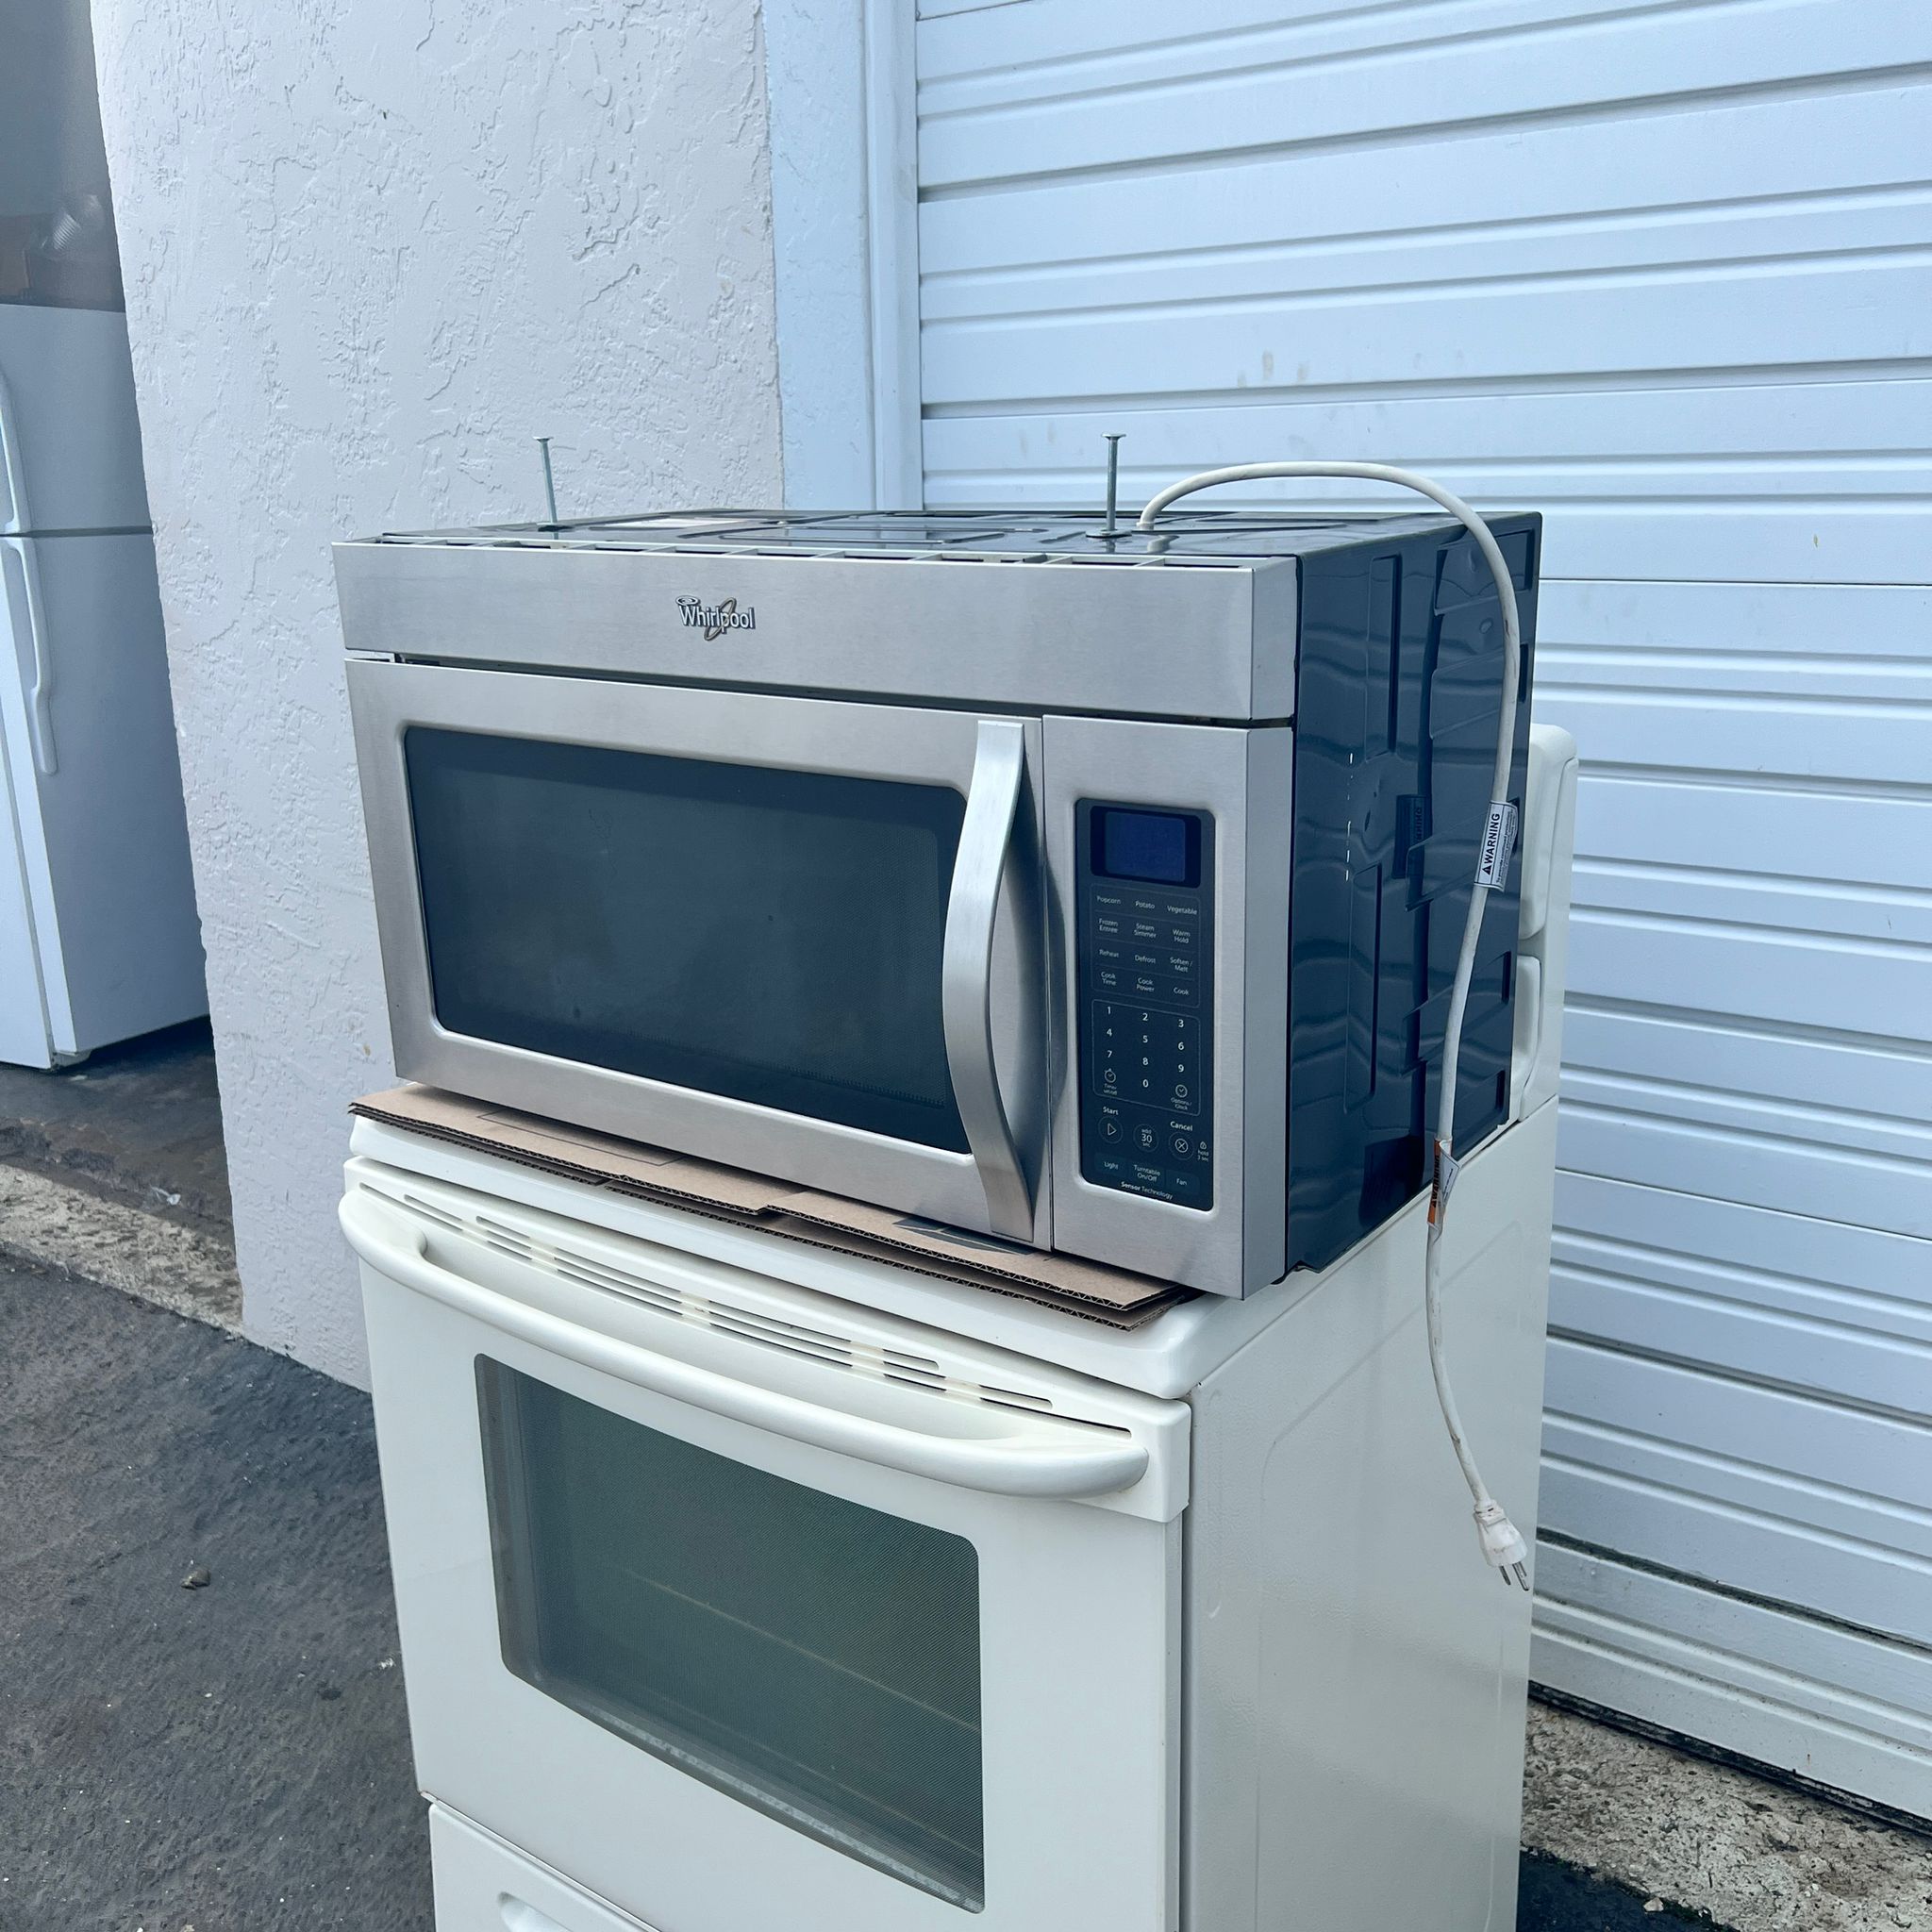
x=1160, y=847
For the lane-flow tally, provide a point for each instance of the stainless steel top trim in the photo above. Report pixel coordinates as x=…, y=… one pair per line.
x=1148, y=641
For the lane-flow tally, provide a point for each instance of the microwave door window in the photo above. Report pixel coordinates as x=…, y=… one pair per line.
x=805, y=1655
x=769, y=936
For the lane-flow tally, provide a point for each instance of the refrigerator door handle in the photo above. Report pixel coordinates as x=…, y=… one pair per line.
x=26, y=618
x=13, y=465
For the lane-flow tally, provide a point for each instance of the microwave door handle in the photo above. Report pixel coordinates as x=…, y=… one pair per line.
x=986, y=836
x=1029, y=1462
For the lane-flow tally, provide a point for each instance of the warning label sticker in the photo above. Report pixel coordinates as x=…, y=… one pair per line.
x=1499, y=842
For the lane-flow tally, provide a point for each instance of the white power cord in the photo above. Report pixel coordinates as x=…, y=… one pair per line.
x=1503, y=1544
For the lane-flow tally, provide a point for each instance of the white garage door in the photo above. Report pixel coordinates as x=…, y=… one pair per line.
x=1660, y=271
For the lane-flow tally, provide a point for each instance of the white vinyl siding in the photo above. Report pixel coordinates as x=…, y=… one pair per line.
x=1664, y=272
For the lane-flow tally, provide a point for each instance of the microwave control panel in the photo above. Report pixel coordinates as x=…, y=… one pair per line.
x=1144, y=972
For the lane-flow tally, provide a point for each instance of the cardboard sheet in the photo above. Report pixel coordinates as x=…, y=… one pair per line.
x=1112, y=1296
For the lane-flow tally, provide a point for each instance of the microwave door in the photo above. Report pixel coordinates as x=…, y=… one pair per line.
x=784, y=934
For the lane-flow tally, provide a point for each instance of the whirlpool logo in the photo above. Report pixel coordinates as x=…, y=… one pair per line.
x=714, y=620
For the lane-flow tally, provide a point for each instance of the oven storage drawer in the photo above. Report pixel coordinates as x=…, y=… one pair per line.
x=483, y=1885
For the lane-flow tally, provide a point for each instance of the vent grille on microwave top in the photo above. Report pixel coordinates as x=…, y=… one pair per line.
x=728, y=1318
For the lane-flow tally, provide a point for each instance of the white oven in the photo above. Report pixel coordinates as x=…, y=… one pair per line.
x=747, y=1607
x=749, y=1587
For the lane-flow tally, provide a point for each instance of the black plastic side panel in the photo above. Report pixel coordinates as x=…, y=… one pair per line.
x=1399, y=674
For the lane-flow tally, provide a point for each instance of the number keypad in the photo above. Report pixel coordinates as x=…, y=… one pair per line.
x=1144, y=988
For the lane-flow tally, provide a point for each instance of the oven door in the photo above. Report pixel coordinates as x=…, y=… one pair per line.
x=783, y=933
x=746, y=1606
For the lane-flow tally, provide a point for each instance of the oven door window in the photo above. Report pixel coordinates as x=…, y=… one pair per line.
x=769, y=936
x=809, y=1657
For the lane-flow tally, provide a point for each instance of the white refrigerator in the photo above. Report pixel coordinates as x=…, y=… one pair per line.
x=98, y=935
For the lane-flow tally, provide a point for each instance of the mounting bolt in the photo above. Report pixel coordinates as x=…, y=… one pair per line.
x=549, y=480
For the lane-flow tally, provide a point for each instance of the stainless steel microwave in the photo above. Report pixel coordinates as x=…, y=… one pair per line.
x=1097, y=892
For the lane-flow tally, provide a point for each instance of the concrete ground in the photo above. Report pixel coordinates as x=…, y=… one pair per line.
x=234, y=1758
x=114, y=1170
x=140, y=1123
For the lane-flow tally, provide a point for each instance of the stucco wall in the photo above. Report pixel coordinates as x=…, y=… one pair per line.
x=371, y=248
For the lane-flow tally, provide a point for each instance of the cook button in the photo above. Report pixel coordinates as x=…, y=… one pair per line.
x=1145, y=1136
x=1112, y=1130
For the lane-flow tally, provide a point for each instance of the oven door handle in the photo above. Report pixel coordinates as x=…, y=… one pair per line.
x=1027, y=1462
x=986, y=837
